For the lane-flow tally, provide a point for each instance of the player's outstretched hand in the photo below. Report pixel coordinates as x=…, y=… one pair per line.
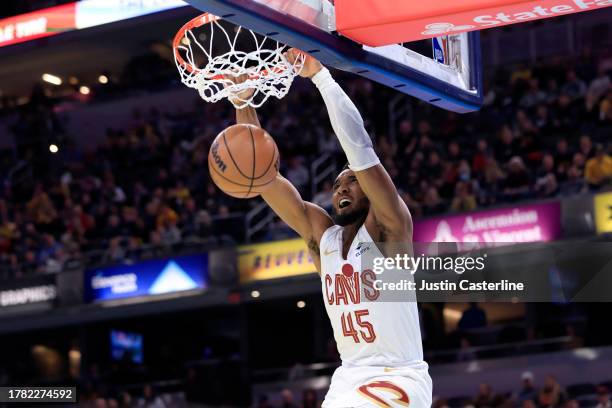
x=311, y=65
x=244, y=95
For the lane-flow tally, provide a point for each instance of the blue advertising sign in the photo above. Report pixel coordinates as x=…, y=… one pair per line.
x=154, y=277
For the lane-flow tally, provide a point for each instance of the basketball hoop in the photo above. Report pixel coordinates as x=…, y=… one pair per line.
x=208, y=57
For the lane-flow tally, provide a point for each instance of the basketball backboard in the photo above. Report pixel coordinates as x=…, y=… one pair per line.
x=450, y=81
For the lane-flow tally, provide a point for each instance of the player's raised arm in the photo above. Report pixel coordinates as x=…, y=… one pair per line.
x=390, y=211
x=307, y=219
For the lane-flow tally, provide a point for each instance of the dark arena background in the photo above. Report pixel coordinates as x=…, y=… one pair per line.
x=126, y=273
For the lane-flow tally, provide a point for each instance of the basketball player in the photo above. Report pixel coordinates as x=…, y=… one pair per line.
x=379, y=342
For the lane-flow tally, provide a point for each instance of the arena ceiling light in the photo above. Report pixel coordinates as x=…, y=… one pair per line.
x=84, y=90
x=103, y=79
x=52, y=79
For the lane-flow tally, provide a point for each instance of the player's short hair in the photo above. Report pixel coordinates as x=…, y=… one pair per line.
x=345, y=167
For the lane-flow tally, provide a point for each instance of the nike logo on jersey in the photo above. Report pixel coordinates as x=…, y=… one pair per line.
x=327, y=253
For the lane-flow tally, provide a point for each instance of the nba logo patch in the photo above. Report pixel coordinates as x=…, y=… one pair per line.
x=440, y=49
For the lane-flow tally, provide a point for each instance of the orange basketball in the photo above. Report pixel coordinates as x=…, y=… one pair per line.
x=243, y=159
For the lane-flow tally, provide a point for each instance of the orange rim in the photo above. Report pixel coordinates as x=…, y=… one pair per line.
x=197, y=22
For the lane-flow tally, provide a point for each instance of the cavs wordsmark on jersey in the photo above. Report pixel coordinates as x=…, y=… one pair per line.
x=379, y=342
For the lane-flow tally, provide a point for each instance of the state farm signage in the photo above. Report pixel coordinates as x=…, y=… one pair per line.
x=504, y=18
x=380, y=22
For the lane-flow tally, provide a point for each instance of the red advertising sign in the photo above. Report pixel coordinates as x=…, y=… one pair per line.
x=384, y=22
x=38, y=24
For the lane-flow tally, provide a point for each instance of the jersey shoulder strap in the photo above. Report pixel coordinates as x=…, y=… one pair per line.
x=329, y=238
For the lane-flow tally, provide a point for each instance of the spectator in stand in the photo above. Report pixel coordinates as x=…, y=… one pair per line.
x=603, y=397
x=517, y=182
x=464, y=200
x=586, y=146
x=598, y=170
x=552, y=394
x=473, y=317
x=574, y=87
x=605, y=108
x=528, y=390
x=533, y=96
x=432, y=203
x=575, y=183
x=506, y=146
x=310, y=399
x=563, y=157
x=479, y=159
x=546, y=183
x=600, y=84
x=287, y=399
x=486, y=397
x=149, y=399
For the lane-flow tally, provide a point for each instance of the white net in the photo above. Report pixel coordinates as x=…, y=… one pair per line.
x=232, y=62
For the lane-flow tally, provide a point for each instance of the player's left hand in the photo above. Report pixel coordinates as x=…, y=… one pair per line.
x=311, y=65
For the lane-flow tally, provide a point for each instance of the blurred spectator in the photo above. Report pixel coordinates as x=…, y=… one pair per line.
x=464, y=200
x=485, y=397
x=575, y=183
x=605, y=108
x=125, y=400
x=432, y=203
x=517, y=182
x=552, y=394
x=528, y=390
x=598, y=170
x=287, y=399
x=149, y=399
x=546, y=183
x=600, y=84
x=473, y=317
x=574, y=86
x=603, y=397
x=310, y=399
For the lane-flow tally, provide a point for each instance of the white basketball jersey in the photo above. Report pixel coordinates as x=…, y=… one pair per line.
x=367, y=333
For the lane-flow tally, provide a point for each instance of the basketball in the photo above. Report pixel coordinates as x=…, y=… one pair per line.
x=243, y=159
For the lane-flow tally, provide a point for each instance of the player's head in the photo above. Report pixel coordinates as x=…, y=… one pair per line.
x=350, y=204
